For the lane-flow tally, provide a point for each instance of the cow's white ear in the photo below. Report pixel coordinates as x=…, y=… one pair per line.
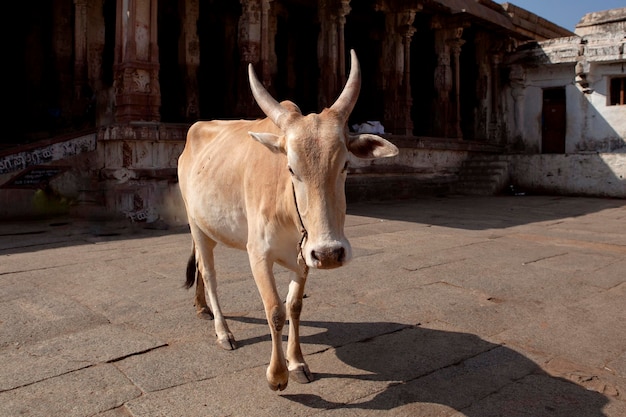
x=368, y=146
x=274, y=143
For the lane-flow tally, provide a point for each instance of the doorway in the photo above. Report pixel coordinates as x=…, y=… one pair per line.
x=553, y=121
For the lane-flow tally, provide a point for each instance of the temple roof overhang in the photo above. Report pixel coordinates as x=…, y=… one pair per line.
x=604, y=47
x=478, y=10
x=506, y=18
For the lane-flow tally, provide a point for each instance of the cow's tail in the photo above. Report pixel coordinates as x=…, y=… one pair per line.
x=191, y=268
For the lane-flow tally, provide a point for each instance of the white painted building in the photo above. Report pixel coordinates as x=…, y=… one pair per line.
x=566, y=110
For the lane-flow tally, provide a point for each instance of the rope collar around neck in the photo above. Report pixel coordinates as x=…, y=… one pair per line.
x=303, y=232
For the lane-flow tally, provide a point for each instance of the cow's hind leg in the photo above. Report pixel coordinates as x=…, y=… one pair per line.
x=298, y=369
x=206, y=271
x=194, y=277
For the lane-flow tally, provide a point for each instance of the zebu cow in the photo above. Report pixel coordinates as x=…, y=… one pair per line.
x=274, y=187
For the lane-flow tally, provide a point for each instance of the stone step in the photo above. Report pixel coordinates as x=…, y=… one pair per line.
x=482, y=175
x=379, y=187
x=481, y=172
x=474, y=165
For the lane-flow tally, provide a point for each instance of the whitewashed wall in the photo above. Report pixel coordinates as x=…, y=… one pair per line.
x=594, y=162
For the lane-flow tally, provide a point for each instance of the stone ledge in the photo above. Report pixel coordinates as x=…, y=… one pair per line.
x=144, y=131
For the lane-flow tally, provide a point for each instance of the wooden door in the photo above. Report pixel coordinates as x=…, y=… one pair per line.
x=553, y=121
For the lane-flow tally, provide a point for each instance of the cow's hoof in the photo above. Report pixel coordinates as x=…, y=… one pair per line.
x=227, y=343
x=204, y=313
x=301, y=374
x=277, y=387
x=277, y=380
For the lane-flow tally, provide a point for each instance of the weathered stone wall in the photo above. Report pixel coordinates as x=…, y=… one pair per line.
x=30, y=187
x=613, y=20
x=600, y=174
x=137, y=164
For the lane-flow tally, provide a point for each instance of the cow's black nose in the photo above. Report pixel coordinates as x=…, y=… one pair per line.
x=340, y=254
x=329, y=257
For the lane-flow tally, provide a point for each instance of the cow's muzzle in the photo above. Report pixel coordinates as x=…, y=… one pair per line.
x=328, y=258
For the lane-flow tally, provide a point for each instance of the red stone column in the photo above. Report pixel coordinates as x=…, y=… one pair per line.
x=137, y=90
x=250, y=51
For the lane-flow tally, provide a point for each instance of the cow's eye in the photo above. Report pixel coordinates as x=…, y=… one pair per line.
x=345, y=167
x=291, y=171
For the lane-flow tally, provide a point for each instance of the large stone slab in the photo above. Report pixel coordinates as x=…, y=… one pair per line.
x=81, y=393
x=28, y=363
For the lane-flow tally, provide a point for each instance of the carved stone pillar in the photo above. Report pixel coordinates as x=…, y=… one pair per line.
x=494, y=125
x=137, y=90
x=331, y=49
x=443, y=83
x=397, y=72
x=327, y=52
x=265, y=43
x=250, y=31
x=343, y=12
x=517, y=80
x=455, y=48
x=254, y=47
x=407, y=100
x=447, y=105
x=190, y=47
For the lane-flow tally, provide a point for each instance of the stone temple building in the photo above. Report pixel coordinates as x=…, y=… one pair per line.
x=102, y=93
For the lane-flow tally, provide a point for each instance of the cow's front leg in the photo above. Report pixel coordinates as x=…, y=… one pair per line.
x=298, y=369
x=277, y=373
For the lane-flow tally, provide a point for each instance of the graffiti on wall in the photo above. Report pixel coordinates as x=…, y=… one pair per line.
x=23, y=159
x=37, y=176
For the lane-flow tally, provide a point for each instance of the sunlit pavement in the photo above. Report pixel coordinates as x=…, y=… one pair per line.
x=455, y=306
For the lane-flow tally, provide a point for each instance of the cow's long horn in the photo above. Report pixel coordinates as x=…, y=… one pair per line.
x=264, y=99
x=346, y=101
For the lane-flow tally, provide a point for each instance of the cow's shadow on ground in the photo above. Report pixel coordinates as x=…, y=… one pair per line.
x=421, y=365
